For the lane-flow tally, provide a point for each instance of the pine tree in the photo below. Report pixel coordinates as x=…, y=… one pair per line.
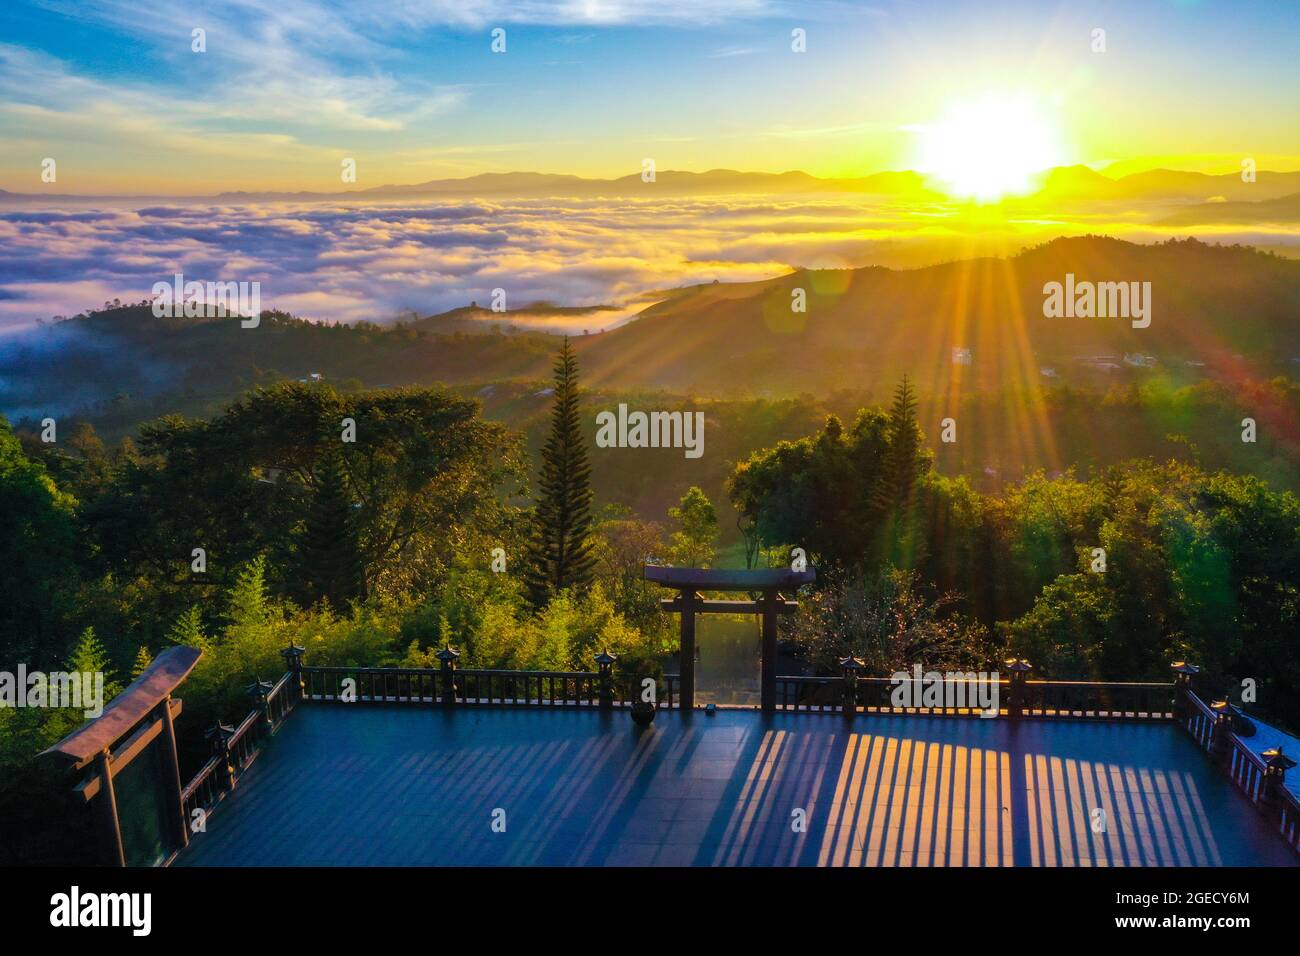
x=560, y=551
x=142, y=662
x=188, y=630
x=900, y=541
x=247, y=603
x=331, y=566
x=89, y=657
x=898, y=477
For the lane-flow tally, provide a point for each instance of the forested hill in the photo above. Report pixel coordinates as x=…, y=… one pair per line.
x=1209, y=305
x=1227, y=313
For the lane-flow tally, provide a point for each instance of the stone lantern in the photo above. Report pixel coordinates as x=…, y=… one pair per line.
x=849, y=668
x=605, y=661
x=293, y=655
x=1184, y=673
x=448, y=656
x=220, y=735
x=1276, y=764
x=1018, y=667
x=260, y=692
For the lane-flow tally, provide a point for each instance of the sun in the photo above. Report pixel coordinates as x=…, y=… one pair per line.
x=988, y=147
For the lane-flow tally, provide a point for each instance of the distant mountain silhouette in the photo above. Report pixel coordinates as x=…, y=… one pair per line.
x=666, y=182
x=1080, y=182
x=1060, y=183
x=1282, y=210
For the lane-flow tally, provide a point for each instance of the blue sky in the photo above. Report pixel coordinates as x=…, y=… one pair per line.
x=288, y=88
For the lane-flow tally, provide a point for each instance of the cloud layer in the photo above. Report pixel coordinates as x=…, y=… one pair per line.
x=345, y=261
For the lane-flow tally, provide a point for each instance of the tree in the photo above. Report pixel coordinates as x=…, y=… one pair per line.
x=693, y=543
x=560, y=555
x=248, y=606
x=187, y=631
x=1064, y=631
x=142, y=662
x=330, y=563
x=898, y=482
x=38, y=552
x=623, y=546
x=901, y=540
x=426, y=468
x=85, y=442
x=815, y=493
x=89, y=657
x=890, y=620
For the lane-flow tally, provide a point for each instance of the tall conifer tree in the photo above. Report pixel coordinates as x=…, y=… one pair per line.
x=895, y=493
x=560, y=551
x=332, y=566
x=142, y=661
x=904, y=446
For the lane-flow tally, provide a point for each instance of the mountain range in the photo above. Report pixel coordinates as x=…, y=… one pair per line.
x=1072, y=183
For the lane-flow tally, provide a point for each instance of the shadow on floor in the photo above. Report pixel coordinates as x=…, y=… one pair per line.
x=388, y=785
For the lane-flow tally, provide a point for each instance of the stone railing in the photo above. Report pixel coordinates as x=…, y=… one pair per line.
x=1260, y=776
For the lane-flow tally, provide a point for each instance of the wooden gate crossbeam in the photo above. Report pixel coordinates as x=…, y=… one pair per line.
x=103, y=747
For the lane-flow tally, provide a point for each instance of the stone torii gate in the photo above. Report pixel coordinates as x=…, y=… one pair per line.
x=690, y=581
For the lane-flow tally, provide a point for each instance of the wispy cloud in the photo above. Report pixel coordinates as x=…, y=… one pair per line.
x=280, y=81
x=277, y=80
x=581, y=12
x=786, y=132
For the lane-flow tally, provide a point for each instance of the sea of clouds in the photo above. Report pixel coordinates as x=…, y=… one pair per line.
x=347, y=260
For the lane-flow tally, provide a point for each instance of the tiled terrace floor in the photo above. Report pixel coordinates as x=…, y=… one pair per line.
x=359, y=785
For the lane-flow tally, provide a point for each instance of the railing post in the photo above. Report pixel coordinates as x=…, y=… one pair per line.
x=293, y=655
x=771, y=603
x=448, y=656
x=1276, y=764
x=1183, y=675
x=220, y=736
x=605, y=660
x=849, y=668
x=1018, y=668
x=260, y=691
x=1220, y=745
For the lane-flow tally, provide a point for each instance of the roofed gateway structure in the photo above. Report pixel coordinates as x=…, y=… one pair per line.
x=772, y=585
x=128, y=767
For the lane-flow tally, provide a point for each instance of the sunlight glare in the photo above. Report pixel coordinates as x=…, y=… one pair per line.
x=989, y=147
